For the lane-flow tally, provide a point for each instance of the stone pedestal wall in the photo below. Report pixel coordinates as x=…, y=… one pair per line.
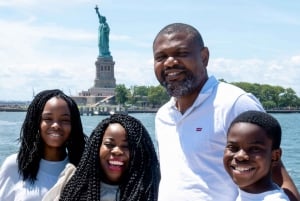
x=105, y=73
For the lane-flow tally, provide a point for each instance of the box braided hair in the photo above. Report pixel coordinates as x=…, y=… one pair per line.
x=141, y=180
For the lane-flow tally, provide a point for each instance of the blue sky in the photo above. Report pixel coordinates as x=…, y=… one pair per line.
x=53, y=43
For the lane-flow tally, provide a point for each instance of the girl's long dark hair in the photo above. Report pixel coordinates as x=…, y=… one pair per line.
x=140, y=182
x=32, y=146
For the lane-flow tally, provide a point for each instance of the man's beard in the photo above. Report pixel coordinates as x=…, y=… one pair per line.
x=183, y=87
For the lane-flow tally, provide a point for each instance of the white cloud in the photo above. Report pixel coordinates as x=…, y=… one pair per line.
x=295, y=60
x=133, y=68
x=282, y=72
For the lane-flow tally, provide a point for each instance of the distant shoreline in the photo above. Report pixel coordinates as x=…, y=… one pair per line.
x=12, y=109
x=17, y=109
x=283, y=111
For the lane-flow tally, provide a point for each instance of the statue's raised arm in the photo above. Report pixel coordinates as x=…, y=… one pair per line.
x=97, y=11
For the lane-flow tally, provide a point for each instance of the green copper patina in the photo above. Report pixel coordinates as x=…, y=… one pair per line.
x=103, y=36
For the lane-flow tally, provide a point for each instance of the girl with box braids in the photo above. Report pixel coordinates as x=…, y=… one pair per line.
x=32, y=145
x=140, y=179
x=51, y=136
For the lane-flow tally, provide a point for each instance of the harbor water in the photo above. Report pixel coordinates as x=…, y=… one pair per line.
x=10, y=124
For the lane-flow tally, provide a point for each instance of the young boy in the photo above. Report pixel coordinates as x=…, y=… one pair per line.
x=253, y=145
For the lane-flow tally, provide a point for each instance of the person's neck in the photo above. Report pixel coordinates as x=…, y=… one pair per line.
x=55, y=155
x=183, y=103
x=263, y=185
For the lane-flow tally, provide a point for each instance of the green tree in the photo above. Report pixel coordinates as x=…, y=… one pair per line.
x=122, y=94
x=157, y=96
x=269, y=105
x=141, y=90
x=270, y=94
x=288, y=98
x=248, y=87
x=139, y=95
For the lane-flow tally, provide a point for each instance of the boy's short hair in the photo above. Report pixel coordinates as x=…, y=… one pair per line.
x=263, y=120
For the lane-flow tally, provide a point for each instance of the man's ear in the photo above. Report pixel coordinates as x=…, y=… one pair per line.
x=276, y=155
x=205, y=56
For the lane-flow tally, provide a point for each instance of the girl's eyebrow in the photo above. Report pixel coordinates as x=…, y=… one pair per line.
x=108, y=138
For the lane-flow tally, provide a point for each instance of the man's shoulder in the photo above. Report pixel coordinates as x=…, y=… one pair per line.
x=235, y=99
x=167, y=105
x=231, y=93
x=164, y=113
x=230, y=88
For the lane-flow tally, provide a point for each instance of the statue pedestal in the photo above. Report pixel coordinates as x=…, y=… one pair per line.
x=105, y=82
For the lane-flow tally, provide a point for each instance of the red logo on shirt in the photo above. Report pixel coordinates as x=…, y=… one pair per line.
x=198, y=129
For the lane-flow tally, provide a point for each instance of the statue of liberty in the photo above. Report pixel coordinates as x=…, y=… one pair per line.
x=103, y=36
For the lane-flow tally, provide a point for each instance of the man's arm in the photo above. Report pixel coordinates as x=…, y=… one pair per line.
x=283, y=179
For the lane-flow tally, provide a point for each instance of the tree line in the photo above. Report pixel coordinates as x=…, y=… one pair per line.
x=271, y=97
x=141, y=96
